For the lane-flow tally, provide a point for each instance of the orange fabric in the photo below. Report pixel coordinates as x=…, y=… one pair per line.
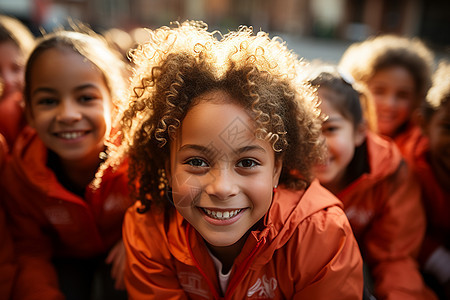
x=8, y=265
x=407, y=140
x=386, y=214
x=12, y=118
x=49, y=221
x=304, y=250
x=437, y=204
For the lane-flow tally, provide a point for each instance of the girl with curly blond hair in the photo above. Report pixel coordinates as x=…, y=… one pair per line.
x=397, y=71
x=221, y=134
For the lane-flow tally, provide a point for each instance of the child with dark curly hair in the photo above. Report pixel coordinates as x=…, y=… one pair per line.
x=397, y=72
x=68, y=235
x=381, y=197
x=221, y=135
x=431, y=162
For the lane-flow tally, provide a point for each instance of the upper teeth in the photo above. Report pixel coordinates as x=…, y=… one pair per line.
x=221, y=215
x=70, y=135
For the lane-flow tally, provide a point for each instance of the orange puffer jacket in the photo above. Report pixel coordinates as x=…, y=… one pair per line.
x=304, y=250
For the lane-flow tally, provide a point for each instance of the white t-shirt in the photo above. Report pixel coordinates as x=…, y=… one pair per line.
x=223, y=278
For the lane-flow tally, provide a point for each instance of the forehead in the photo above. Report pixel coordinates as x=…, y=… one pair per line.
x=61, y=66
x=9, y=51
x=393, y=75
x=328, y=107
x=216, y=117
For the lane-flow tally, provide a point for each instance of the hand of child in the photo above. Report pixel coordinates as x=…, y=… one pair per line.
x=116, y=258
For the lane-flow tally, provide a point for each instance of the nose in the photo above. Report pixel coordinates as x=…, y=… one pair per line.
x=68, y=112
x=389, y=100
x=222, y=184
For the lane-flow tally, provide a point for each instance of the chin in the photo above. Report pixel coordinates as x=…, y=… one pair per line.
x=216, y=241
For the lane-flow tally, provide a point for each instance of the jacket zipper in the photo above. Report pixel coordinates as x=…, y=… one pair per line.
x=239, y=274
x=243, y=268
x=211, y=286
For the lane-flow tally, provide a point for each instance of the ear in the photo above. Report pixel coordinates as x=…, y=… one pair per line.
x=360, y=134
x=277, y=170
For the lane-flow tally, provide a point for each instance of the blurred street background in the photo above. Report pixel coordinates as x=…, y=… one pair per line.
x=314, y=29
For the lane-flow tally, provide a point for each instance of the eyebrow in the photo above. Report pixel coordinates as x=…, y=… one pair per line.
x=43, y=90
x=334, y=119
x=250, y=148
x=51, y=90
x=209, y=150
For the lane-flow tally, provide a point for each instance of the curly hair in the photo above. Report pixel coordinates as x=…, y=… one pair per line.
x=179, y=64
x=439, y=93
x=362, y=60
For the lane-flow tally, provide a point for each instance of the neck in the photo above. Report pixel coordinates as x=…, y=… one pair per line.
x=333, y=187
x=80, y=174
x=227, y=254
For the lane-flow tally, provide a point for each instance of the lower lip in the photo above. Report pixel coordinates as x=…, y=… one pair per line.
x=222, y=222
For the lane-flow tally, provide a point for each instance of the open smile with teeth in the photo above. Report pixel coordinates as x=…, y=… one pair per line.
x=70, y=135
x=221, y=215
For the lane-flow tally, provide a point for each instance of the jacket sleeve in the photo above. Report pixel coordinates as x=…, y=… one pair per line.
x=149, y=271
x=36, y=278
x=329, y=260
x=394, y=238
x=8, y=265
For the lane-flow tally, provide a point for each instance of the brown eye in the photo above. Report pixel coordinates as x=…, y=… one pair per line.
x=247, y=163
x=197, y=162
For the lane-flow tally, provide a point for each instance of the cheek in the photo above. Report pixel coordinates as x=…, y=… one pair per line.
x=342, y=148
x=102, y=119
x=40, y=120
x=405, y=107
x=335, y=144
x=259, y=188
x=186, y=189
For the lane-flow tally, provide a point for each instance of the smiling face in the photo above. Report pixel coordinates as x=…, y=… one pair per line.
x=394, y=92
x=69, y=105
x=222, y=177
x=341, y=140
x=11, y=69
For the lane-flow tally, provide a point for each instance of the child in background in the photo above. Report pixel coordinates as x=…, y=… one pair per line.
x=380, y=197
x=397, y=72
x=63, y=228
x=7, y=259
x=16, y=41
x=213, y=133
x=432, y=165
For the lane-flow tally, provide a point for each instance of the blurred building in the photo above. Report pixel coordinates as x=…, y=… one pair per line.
x=339, y=19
